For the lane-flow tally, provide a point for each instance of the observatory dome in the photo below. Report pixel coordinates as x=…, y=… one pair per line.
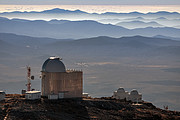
x=53, y=64
x=121, y=90
x=134, y=92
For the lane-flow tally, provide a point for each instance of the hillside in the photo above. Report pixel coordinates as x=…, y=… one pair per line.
x=17, y=108
x=134, y=62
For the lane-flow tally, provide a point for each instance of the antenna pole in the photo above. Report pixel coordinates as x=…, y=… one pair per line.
x=29, y=78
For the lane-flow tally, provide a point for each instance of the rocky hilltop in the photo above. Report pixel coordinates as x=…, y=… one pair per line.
x=15, y=107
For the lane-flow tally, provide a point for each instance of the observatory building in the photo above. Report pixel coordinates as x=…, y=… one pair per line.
x=133, y=96
x=121, y=94
x=56, y=80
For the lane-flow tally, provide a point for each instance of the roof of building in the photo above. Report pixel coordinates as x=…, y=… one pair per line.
x=53, y=64
x=32, y=92
x=2, y=92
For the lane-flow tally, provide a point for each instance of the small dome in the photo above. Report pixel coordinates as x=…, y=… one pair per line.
x=121, y=90
x=53, y=64
x=134, y=92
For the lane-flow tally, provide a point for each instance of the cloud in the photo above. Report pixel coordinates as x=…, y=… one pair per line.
x=92, y=2
x=96, y=63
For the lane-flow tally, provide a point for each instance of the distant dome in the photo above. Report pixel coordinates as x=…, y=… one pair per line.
x=121, y=90
x=134, y=92
x=53, y=64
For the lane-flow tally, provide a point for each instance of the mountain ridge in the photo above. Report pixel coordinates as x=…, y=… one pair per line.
x=59, y=10
x=74, y=29
x=138, y=24
x=16, y=39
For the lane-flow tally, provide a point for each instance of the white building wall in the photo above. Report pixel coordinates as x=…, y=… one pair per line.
x=61, y=95
x=135, y=98
x=33, y=95
x=120, y=95
x=86, y=95
x=52, y=97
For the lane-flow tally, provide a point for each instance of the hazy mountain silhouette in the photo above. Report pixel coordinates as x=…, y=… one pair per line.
x=140, y=42
x=70, y=29
x=54, y=21
x=125, y=41
x=57, y=10
x=138, y=24
x=159, y=13
x=129, y=21
x=124, y=46
x=178, y=26
x=163, y=13
x=167, y=37
x=77, y=29
x=136, y=19
x=150, y=31
x=168, y=21
x=81, y=15
x=19, y=20
x=27, y=41
x=109, y=21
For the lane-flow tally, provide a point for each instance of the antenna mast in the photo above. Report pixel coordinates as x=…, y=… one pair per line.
x=29, y=78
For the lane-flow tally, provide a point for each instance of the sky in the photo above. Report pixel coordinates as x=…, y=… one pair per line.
x=90, y=2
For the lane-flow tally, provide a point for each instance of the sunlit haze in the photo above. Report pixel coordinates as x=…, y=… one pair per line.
x=93, y=8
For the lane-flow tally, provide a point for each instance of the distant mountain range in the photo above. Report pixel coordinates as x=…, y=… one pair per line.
x=55, y=10
x=177, y=26
x=167, y=37
x=138, y=42
x=81, y=15
x=134, y=41
x=58, y=10
x=77, y=29
x=167, y=19
x=21, y=40
x=12, y=45
x=161, y=21
x=138, y=24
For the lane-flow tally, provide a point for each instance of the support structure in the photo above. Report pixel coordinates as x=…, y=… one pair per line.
x=28, y=78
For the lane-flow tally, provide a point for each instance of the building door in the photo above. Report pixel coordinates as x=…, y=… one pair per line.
x=61, y=95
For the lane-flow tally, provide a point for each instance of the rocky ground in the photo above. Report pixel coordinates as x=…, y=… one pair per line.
x=15, y=107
